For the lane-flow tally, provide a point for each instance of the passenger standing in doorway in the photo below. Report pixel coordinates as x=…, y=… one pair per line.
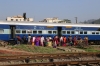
x=29, y=39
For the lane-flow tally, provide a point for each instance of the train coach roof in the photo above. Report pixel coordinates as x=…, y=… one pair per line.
x=47, y=24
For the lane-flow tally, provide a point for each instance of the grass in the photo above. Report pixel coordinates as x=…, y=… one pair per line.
x=90, y=49
x=36, y=49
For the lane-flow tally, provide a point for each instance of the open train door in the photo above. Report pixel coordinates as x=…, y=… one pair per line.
x=59, y=31
x=12, y=34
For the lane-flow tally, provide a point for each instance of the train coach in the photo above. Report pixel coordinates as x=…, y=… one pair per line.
x=9, y=30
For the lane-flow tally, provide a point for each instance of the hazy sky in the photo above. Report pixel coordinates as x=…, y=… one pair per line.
x=40, y=9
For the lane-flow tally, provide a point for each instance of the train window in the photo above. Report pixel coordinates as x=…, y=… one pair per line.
x=23, y=31
x=34, y=32
x=85, y=32
x=64, y=32
x=54, y=32
x=1, y=31
x=18, y=31
x=29, y=31
x=72, y=32
x=97, y=32
x=11, y=19
x=16, y=19
x=93, y=32
x=81, y=32
x=49, y=32
x=68, y=32
x=39, y=32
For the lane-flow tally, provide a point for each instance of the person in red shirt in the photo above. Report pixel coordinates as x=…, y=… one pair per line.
x=64, y=41
x=56, y=41
x=75, y=40
x=18, y=39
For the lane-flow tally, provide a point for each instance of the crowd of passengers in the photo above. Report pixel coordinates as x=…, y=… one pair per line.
x=49, y=41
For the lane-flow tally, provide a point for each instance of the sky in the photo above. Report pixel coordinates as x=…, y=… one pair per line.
x=40, y=9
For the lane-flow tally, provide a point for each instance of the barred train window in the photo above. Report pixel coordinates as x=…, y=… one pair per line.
x=23, y=31
x=72, y=32
x=29, y=31
x=97, y=32
x=11, y=19
x=18, y=31
x=85, y=32
x=54, y=32
x=1, y=31
x=64, y=32
x=93, y=32
x=34, y=32
x=81, y=32
x=49, y=32
x=68, y=32
x=39, y=32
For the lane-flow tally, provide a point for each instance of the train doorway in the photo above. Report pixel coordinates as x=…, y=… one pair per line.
x=12, y=28
x=59, y=30
x=12, y=34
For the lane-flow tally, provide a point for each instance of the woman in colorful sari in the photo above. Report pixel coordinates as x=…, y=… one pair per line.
x=86, y=40
x=56, y=42
x=33, y=40
x=64, y=41
x=37, y=41
x=75, y=40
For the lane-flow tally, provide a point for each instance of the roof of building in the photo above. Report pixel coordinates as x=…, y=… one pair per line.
x=47, y=24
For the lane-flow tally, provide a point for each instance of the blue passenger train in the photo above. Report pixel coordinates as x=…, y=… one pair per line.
x=8, y=32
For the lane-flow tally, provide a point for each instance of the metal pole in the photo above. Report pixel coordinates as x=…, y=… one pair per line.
x=76, y=19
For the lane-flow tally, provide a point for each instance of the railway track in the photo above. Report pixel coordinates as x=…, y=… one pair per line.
x=69, y=58
x=66, y=63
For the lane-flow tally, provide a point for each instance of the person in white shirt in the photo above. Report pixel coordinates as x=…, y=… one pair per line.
x=42, y=41
x=29, y=39
x=61, y=40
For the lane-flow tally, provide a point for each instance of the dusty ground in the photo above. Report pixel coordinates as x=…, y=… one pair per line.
x=9, y=51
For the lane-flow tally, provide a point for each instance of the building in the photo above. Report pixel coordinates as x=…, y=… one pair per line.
x=51, y=20
x=19, y=18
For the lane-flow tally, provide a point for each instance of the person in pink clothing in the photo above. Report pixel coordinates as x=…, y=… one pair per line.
x=56, y=41
x=33, y=40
